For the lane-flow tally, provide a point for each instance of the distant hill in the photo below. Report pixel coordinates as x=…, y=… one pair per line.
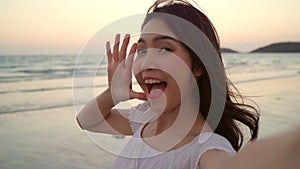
x=227, y=50
x=279, y=47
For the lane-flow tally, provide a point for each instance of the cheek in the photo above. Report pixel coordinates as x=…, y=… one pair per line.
x=185, y=57
x=183, y=86
x=136, y=66
x=139, y=79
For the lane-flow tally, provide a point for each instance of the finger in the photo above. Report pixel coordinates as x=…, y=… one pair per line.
x=116, y=48
x=137, y=95
x=108, y=52
x=131, y=56
x=123, y=50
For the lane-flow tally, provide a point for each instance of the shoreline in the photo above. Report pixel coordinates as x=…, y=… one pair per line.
x=51, y=138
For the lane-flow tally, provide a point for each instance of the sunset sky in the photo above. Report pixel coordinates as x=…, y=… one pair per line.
x=64, y=26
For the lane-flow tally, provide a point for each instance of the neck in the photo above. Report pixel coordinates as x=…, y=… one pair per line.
x=173, y=129
x=164, y=121
x=189, y=120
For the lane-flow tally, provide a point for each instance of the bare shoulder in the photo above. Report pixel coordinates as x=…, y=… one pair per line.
x=215, y=159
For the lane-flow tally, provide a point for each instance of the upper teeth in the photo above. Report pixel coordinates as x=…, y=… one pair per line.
x=152, y=81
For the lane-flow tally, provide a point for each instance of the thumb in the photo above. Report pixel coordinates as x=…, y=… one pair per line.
x=137, y=95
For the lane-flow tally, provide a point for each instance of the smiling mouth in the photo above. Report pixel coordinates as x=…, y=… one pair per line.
x=155, y=87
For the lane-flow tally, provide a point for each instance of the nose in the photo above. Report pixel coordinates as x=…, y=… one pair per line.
x=146, y=61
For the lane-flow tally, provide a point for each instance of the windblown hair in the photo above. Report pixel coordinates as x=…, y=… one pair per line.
x=236, y=112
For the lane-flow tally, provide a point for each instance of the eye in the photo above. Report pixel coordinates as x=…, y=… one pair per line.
x=165, y=50
x=141, y=51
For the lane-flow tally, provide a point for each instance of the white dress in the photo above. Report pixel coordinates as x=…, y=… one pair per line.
x=138, y=155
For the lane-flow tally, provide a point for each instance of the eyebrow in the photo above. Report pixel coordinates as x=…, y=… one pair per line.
x=159, y=38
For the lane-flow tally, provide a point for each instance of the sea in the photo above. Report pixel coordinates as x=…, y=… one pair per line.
x=34, y=70
x=26, y=80
x=38, y=105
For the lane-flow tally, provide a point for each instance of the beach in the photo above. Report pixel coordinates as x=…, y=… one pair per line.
x=51, y=138
x=40, y=130
x=48, y=139
x=278, y=102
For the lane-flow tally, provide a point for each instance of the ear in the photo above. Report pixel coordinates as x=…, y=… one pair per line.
x=197, y=72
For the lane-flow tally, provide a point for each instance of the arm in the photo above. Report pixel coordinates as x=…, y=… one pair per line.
x=98, y=115
x=278, y=152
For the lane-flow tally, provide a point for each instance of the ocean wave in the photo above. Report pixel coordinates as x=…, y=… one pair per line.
x=236, y=81
x=11, y=79
x=9, y=66
x=50, y=89
x=242, y=68
x=7, y=111
x=265, y=78
x=44, y=71
x=68, y=103
x=29, y=75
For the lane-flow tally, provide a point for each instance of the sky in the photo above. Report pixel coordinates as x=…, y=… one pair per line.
x=64, y=26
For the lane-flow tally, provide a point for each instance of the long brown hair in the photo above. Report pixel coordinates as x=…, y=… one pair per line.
x=235, y=110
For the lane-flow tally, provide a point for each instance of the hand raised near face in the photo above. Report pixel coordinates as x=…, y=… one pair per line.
x=119, y=70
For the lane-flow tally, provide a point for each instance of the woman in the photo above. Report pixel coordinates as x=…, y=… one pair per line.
x=173, y=128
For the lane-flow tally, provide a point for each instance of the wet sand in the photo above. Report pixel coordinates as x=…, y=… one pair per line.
x=51, y=138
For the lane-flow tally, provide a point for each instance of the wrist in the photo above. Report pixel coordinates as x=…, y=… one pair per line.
x=106, y=99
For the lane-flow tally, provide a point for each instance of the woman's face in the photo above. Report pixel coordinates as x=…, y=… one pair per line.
x=162, y=64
